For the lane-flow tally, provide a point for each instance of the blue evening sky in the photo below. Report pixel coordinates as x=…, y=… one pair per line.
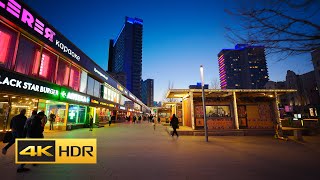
x=178, y=36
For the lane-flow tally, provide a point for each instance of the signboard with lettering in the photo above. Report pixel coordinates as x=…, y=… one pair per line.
x=69, y=95
x=14, y=82
x=27, y=19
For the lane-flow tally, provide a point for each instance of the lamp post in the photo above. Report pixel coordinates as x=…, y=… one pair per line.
x=204, y=105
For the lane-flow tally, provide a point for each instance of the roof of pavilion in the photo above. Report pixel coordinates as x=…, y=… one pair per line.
x=180, y=93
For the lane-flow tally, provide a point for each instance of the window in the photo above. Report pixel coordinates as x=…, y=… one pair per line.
x=218, y=111
x=63, y=73
x=28, y=55
x=74, y=81
x=96, y=91
x=83, y=82
x=90, y=86
x=47, y=63
x=8, y=39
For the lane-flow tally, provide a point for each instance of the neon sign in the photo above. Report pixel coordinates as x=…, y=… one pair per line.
x=102, y=75
x=74, y=96
x=16, y=10
x=94, y=101
x=119, y=87
x=28, y=86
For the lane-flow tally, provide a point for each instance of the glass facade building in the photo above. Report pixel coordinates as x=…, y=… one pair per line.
x=125, y=55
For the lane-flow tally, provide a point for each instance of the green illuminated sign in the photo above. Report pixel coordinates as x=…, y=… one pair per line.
x=72, y=114
x=74, y=96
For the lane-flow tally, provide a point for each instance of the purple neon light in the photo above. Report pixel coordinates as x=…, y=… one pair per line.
x=2, y=4
x=13, y=9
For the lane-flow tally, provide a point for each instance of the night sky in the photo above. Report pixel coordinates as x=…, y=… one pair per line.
x=178, y=36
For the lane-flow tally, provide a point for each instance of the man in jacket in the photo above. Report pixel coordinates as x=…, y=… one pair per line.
x=17, y=127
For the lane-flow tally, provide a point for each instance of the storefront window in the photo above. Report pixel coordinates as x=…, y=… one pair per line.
x=28, y=55
x=77, y=114
x=90, y=86
x=8, y=38
x=63, y=73
x=47, y=65
x=56, y=108
x=83, y=82
x=4, y=111
x=218, y=111
x=96, y=92
x=111, y=95
x=74, y=78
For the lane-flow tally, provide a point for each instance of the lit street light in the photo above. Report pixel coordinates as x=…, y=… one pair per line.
x=204, y=105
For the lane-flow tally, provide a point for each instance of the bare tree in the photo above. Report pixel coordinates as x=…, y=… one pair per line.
x=289, y=27
x=165, y=99
x=215, y=83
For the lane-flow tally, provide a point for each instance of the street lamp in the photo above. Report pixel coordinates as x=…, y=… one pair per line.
x=204, y=105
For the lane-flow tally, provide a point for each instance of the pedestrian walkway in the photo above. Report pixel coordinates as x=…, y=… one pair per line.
x=136, y=151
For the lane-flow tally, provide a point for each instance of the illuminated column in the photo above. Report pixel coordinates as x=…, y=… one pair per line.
x=192, y=110
x=277, y=113
x=235, y=110
x=66, y=115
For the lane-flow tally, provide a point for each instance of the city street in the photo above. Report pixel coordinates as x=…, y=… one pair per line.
x=136, y=151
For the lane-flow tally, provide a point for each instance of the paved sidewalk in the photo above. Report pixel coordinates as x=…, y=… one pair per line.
x=136, y=151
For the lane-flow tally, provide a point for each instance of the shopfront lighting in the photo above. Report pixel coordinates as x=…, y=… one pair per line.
x=13, y=97
x=5, y=96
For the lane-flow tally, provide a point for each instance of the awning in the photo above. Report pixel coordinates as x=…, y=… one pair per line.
x=181, y=93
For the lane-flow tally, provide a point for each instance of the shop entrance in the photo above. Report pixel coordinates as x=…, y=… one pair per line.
x=242, y=117
x=77, y=114
x=58, y=109
x=11, y=105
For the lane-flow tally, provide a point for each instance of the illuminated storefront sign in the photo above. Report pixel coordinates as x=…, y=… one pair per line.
x=111, y=105
x=122, y=107
x=94, y=101
x=119, y=87
x=132, y=96
x=102, y=103
x=74, y=96
x=26, y=17
x=28, y=86
x=100, y=73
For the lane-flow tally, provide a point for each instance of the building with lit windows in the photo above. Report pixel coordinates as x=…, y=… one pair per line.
x=147, y=92
x=243, y=67
x=125, y=55
x=40, y=69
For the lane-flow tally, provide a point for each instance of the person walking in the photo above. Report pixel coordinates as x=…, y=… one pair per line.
x=28, y=123
x=52, y=119
x=17, y=127
x=139, y=119
x=134, y=119
x=34, y=129
x=175, y=124
x=110, y=120
x=91, y=123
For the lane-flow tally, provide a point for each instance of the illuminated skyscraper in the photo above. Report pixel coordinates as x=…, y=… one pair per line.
x=125, y=56
x=244, y=67
x=147, y=92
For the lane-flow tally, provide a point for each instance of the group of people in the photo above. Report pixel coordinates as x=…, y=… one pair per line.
x=23, y=127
